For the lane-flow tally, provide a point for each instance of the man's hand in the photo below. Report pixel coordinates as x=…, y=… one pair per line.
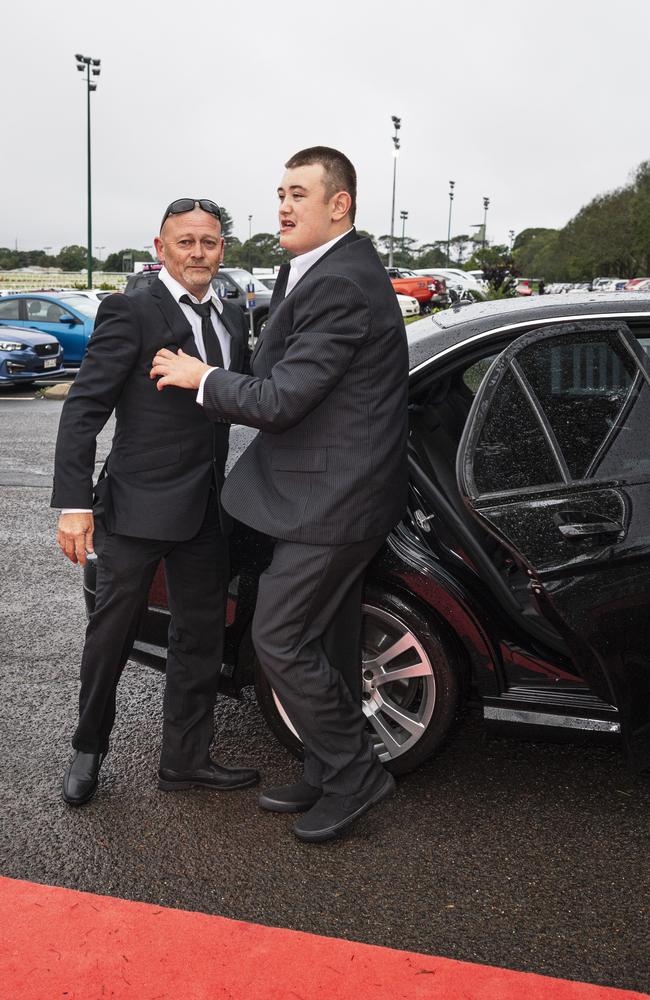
x=75, y=536
x=179, y=369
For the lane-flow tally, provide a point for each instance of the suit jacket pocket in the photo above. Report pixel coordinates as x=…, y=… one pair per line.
x=156, y=458
x=299, y=459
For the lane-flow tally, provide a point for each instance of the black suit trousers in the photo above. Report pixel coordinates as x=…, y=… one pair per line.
x=197, y=575
x=306, y=633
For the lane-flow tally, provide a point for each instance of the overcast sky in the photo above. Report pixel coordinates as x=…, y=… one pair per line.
x=539, y=106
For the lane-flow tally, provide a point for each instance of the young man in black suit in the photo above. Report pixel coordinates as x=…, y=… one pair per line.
x=326, y=476
x=157, y=498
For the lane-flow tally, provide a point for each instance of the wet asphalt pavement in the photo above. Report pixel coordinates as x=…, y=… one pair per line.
x=530, y=856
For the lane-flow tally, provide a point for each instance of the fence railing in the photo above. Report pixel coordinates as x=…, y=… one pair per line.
x=33, y=281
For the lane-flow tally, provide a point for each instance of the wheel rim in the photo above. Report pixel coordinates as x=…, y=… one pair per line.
x=399, y=687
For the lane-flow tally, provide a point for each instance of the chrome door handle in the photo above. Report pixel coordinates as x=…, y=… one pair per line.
x=590, y=528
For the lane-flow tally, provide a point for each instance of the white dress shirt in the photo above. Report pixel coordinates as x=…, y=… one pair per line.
x=300, y=264
x=194, y=319
x=176, y=290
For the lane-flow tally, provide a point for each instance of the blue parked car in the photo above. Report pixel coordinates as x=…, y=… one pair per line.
x=28, y=356
x=68, y=316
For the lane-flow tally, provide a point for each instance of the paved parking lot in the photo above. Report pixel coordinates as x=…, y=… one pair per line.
x=533, y=857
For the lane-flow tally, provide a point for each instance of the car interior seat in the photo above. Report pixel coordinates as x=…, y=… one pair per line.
x=53, y=314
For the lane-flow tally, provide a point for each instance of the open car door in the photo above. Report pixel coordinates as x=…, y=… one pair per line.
x=555, y=461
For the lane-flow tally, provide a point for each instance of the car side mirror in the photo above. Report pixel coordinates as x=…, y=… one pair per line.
x=70, y=320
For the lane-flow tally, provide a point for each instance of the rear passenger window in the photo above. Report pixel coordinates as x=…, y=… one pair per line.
x=582, y=382
x=511, y=452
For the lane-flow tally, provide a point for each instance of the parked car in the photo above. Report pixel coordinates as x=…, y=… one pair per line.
x=458, y=281
x=68, y=316
x=230, y=283
x=28, y=356
x=426, y=290
x=268, y=280
x=519, y=579
x=638, y=285
x=408, y=305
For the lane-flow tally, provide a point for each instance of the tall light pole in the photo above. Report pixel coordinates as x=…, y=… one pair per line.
x=90, y=66
x=486, y=205
x=397, y=124
x=250, y=248
x=452, y=185
x=403, y=216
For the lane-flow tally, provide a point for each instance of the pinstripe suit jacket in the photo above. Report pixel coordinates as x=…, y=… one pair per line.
x=328, y=393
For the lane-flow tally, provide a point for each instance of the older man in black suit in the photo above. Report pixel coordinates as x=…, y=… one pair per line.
x=157, y=498
x=326, y=477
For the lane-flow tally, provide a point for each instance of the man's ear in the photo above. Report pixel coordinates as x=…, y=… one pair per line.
x=341, y=205
x=160, y=253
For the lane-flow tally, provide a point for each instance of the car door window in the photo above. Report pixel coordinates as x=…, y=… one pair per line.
x=10, y=309
x=582, y=382
x=511, y=451
x=42, y=311
x=560, y=406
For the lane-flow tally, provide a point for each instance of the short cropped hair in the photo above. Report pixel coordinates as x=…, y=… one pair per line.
x=340, y=175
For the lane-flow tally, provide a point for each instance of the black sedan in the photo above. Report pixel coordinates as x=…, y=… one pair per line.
x=519, y=580
x=28, y=356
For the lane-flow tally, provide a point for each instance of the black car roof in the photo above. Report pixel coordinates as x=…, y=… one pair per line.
x=448, y=328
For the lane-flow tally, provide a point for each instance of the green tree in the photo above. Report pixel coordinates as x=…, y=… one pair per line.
x=72, y=258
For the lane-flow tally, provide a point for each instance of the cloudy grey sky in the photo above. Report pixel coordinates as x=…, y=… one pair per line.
x=539, y=106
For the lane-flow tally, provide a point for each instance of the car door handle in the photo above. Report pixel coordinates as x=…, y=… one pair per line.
x=588, y=528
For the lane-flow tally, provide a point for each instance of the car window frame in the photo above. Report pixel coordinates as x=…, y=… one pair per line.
x=489, y=387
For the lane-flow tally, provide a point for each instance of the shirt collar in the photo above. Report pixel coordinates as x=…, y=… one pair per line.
x=304, y=261
x=177, y=290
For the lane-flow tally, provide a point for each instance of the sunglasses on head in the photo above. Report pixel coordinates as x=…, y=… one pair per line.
x=189, y=204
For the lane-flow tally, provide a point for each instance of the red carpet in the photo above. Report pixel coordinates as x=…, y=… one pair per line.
x=57, y=944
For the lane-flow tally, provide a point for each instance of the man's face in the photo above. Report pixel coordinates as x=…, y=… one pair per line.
x=191, y=248
x=307, y=217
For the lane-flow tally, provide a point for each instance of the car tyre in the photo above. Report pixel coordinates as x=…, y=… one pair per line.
x=408, y=717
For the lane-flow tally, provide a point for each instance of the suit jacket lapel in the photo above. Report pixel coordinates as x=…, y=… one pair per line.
x=180, y=332
x=280, y=286
x=237, y=346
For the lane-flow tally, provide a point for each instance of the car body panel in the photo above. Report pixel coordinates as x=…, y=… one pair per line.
x=41, y=357
x=47, y=313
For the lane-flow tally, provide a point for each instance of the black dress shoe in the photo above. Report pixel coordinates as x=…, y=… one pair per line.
x=80, y=778
x=333, y=814
x=290, y=798
x=222, y=779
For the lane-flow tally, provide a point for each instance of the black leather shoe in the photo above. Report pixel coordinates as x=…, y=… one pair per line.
x=333, y=814
x=290, y=798
x=222, y=779
x=80, y=778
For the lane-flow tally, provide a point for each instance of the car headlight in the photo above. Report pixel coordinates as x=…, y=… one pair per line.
x=12, y=345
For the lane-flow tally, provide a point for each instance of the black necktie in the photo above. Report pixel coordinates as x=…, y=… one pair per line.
x=211, y=344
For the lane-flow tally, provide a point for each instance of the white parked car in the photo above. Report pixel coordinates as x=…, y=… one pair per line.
x=408, y=305
x=456, y=279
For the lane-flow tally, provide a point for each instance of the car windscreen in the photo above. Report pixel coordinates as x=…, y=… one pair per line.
x=87, y=307
x=244, y=278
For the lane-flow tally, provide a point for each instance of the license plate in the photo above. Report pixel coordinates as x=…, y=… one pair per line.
x=50, y=363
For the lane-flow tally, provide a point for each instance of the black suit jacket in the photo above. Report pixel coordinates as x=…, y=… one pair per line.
x=165, y=452
x=328, y=392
